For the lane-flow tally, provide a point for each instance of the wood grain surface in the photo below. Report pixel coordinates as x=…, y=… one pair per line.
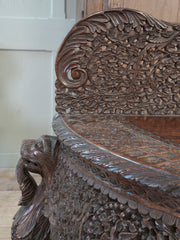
x=165, y=127
x=161, y=9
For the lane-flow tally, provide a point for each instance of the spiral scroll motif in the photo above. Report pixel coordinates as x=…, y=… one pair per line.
x=69, y=69
x=119, y=61
x=75, y=46
x=71, y=76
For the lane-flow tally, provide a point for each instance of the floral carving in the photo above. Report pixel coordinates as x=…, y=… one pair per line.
x=120, y=61
x=115, y=175
x=87, y=213
x=113, y=63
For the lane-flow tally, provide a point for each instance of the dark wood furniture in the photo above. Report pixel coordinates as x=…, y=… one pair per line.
x=113, y=171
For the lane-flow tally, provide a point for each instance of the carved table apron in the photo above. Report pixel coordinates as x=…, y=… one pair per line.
x=113, y=170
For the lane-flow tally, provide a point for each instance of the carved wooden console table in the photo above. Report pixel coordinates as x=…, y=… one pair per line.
x=113, y=171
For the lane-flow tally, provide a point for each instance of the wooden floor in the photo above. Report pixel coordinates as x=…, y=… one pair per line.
x=9, y=197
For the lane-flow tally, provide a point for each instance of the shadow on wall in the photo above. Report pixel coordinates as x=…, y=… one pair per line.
x=25, y=100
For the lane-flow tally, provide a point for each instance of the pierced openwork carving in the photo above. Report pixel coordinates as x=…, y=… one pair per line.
x=120, y=61
x=37, y=156
x=103, y=177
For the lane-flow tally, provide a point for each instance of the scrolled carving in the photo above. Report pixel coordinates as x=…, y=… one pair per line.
x=114, y=220
x=68, y=67
x=124, y=61
x=37, y=156
x=155, y=187
x=107, y=179
x=88, y=213
x=71, y=76
x=68, y=70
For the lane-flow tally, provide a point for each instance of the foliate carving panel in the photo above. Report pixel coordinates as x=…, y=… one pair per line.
x=74, y=200
x=79, y=211
x=123, y=62
x=116, y=175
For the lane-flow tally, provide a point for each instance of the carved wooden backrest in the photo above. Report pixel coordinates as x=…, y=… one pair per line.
x=103, y=177
x=120, y=61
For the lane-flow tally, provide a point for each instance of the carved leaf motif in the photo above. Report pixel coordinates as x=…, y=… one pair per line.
x=118, y=19
x=96, y=23
x=154, y=22
x=27, y=221
x=157, y=40
x=127, y=49
x=82, y=35
x=26, y=183
x=127, y=236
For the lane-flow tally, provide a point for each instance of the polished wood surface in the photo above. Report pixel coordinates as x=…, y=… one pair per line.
x=165, y=127
x=145, y=140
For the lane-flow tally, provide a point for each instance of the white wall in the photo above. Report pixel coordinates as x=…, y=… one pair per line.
x=31, y=33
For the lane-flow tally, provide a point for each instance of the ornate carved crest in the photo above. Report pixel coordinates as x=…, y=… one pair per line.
x=120, y=61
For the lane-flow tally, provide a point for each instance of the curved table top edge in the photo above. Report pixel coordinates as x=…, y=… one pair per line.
x=129, y=169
